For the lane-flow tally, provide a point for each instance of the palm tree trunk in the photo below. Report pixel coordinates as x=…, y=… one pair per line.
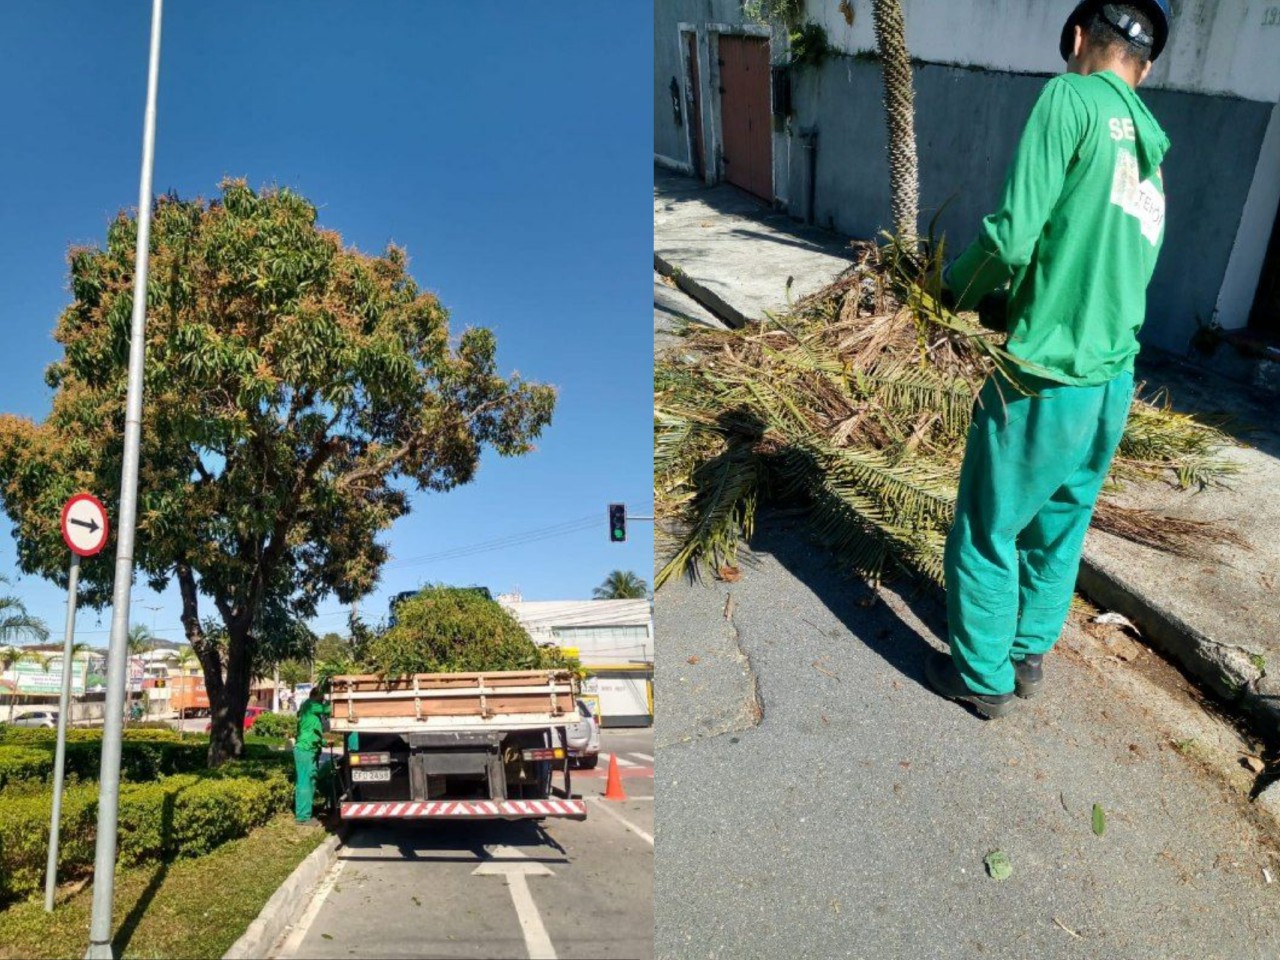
x=899, y=108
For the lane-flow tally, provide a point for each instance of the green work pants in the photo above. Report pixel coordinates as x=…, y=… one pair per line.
x=1033, y=467
x=305, y=762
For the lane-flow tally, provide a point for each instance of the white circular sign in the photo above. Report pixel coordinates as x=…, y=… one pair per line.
x=84, y=524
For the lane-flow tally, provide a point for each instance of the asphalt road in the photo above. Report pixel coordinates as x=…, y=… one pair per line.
x=496, y=889
x=819, y=801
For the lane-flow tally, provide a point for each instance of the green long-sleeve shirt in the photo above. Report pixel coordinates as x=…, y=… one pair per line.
x=1077, y=232
x=311, y=723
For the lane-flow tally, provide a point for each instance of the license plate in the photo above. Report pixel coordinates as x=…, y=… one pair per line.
x=375, y=775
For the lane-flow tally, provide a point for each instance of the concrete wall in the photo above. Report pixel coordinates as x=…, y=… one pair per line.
x=1228, y=47
x=982, y=64
x=968, y=123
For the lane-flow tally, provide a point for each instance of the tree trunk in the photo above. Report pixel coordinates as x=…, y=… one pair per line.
x=226, y=741
x=899, y=108
x=229, y=693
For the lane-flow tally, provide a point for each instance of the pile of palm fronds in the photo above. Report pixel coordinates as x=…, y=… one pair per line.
x=856, y=403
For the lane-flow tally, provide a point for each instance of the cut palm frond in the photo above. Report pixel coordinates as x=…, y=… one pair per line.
x=857, y=403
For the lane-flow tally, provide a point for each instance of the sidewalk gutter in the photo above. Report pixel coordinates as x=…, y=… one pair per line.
x=285, y=903
x=722, y=309
x=1222, y=668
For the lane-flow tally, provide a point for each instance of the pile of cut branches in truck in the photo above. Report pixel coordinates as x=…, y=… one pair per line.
x=856, y=403
x=443, y=629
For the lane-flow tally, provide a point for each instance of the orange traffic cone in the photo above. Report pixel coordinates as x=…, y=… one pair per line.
x=613, y=786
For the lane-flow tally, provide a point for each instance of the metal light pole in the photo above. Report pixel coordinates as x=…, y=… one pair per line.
x=60, y=751
x=104, y=865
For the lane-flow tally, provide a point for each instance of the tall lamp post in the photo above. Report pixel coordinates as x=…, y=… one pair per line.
x=104, y=864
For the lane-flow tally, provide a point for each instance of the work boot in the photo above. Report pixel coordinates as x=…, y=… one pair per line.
x=941, y=672
x=1028, y=674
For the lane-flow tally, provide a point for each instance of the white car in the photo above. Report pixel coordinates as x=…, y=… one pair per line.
x=584, y=738
x=37, y=718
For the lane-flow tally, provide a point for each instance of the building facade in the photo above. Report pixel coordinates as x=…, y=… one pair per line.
x=733, y=103
x=613, y=640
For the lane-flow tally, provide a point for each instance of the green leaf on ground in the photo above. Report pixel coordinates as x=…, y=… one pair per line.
x=998, y=865
x=1099, y=820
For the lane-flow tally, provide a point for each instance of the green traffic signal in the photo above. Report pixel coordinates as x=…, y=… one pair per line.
x=618, y=522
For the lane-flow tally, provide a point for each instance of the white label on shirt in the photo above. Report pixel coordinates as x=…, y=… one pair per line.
x=1137, y=198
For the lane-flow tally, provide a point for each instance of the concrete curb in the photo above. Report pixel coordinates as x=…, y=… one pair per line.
x=284, y=905
x=725, y=311
x=1220, y=668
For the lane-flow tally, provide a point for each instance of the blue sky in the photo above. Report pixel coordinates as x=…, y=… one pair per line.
x=506, y=146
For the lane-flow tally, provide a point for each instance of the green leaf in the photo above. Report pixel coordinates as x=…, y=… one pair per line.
x=1099, y=820
x=998, y=865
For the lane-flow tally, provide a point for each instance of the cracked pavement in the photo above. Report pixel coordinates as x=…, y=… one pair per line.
x=853, y=819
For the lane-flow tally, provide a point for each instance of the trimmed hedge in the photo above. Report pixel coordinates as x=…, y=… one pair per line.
x=180, y=816
x=39, y=735
x=18, y=764
x=142, y=758
x=275, y=726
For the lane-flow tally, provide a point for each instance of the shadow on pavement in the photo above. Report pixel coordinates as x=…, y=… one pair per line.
x=451, y=842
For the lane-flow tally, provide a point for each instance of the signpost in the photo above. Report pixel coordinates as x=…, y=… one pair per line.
x=84, y=528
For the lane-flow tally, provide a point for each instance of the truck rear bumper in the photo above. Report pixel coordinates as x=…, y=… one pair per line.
x=465, y=810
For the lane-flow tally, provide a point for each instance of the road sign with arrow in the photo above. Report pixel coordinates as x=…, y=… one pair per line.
x=84, y=525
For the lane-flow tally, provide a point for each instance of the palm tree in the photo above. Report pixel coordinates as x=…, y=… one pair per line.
x=621, y=585
x=899, y=108
x=141, y=639
x=15, y=622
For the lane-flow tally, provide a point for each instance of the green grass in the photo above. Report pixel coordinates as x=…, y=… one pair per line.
x=187, y=908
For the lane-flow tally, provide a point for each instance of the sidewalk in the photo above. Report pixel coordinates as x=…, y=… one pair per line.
x=1217, y=615
x=818, y=800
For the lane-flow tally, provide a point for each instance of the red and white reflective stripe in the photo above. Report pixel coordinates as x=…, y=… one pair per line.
x=466, y=808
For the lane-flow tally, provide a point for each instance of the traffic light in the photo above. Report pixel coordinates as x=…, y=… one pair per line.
x=617, y=522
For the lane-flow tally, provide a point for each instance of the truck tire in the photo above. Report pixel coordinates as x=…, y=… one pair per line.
x=589, y=763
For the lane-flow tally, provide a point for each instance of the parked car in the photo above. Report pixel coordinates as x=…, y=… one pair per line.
x=584, y=737
x=37, y=718
x=250, y=714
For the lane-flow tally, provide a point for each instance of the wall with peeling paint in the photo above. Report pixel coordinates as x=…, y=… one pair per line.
x=980, y=66
x=968, y=123
x=1221, y=47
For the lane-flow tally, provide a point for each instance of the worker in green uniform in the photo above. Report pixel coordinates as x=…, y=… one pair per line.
x=1075, y=239
x=306, y=753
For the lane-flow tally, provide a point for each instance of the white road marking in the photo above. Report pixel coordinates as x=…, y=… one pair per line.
x=536, y=940
x=643, y=756
x=289, y=947
x=622, y=761
x=603, y=804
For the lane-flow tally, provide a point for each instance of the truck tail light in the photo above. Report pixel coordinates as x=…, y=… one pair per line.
x=370, y=759
x=544, y=753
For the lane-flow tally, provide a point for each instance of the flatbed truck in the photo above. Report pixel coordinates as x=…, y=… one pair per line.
x=455, y=746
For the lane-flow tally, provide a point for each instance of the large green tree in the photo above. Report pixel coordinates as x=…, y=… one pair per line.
x=297, y=392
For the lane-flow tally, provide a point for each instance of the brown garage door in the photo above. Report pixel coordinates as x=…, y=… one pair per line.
x=744, y=114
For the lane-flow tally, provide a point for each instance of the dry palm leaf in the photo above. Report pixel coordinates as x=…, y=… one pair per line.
x=858, y=402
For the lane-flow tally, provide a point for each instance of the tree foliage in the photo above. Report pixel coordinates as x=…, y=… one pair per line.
x=442, y=629
x=296, y=394
x=294, y=672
